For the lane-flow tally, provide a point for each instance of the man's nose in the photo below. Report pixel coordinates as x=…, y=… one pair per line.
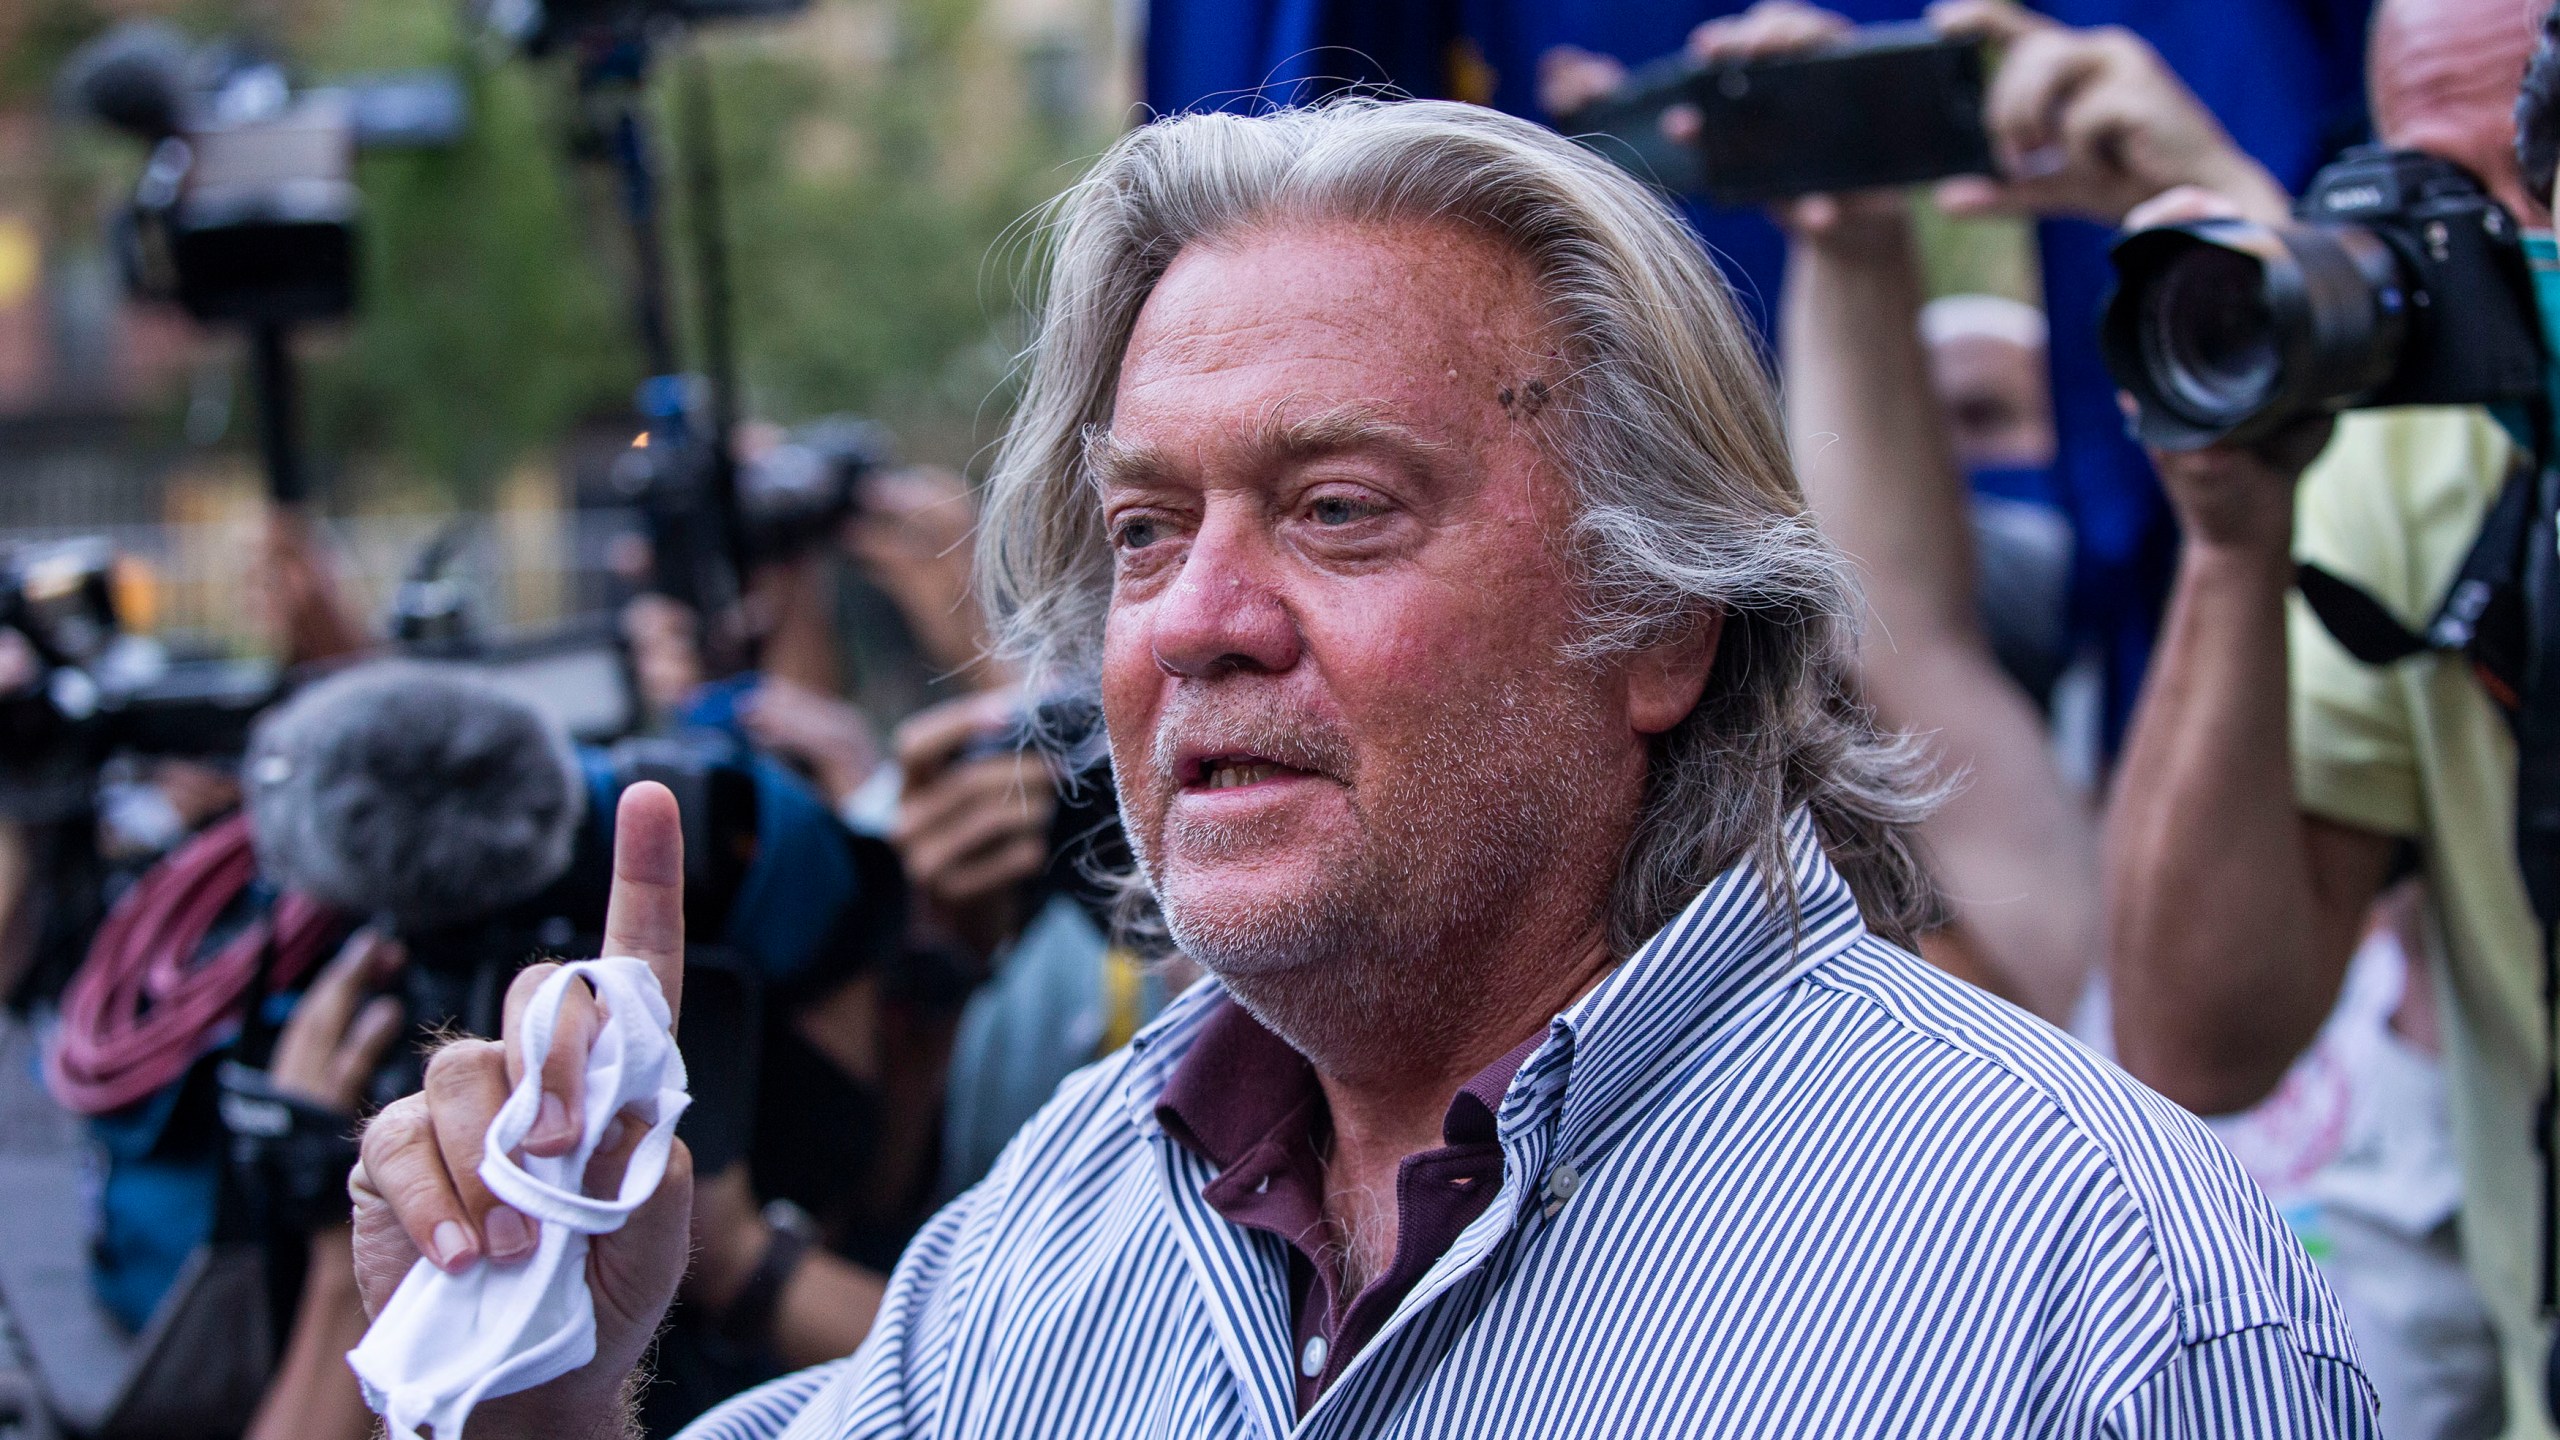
x=1224, y=611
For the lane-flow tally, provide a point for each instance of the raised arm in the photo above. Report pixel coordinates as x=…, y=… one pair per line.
x=2015, y=849
x=2232, y=913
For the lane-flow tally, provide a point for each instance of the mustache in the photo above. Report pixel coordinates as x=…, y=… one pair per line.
x=1198, y=720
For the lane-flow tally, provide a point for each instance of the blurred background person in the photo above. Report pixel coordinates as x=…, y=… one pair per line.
x=1894, y=422
x=2275, y=785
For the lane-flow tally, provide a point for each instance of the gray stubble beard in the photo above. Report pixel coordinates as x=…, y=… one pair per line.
x=1388, y=951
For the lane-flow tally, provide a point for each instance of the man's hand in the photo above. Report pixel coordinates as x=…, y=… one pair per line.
x=968, y=832
x=2091, y=123
x=2230, y=498
x=335, y=1037
x=297, y=588
x=828, y=735
x=666, y=649
x=912, y=536
x=417, y=1190
x=1868, y=224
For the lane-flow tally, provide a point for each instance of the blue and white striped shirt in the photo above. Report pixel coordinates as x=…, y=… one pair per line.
x=1765, y=1179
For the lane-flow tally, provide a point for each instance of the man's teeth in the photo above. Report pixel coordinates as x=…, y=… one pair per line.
x=1226, y=775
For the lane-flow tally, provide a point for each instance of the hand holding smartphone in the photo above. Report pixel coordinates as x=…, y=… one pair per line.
x=1884, y=106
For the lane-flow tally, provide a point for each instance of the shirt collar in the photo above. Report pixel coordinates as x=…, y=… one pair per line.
x=1671, y=1006
x=1240, y=1085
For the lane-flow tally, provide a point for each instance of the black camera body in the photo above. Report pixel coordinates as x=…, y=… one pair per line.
x=247, y=209
x=2402, y=283
x=793, y=496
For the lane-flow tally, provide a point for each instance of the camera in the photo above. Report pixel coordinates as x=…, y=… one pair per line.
x=246, y=210
x=86, y=689
x=2401, y=283
x=793, y=495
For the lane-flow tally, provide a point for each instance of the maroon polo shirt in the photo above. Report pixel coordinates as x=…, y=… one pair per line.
x=1245, y=1102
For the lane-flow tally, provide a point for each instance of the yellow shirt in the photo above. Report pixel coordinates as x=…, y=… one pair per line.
x=2419, y=750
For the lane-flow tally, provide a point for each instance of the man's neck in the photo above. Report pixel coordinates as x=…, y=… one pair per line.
x=1388, y=1099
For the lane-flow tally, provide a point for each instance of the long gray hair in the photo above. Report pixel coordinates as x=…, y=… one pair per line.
x=1666, y=422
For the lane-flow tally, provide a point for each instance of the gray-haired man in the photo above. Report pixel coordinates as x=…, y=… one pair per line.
x=1404, y=481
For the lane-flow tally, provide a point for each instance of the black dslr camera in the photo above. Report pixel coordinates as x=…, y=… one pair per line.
x=2403, y=283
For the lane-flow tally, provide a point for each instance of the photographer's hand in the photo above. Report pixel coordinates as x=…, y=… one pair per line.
x=1869, y=225
x=969, y=831
x=2231, y=499
x=830, y=736
x=335, y=1036
x=417, y=1190
x=2090, y=122
x=912, y=535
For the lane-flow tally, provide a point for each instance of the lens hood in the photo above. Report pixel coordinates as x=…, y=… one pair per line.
x=2227, y=331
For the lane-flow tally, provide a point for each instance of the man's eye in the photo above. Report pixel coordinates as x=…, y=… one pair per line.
x=1339, y=510
x=1137, y=532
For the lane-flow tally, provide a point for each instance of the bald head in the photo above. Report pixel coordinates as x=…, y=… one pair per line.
x=2444, y=76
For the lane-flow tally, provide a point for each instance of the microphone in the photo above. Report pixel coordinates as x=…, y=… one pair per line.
x=415, y=790
x=134, y=78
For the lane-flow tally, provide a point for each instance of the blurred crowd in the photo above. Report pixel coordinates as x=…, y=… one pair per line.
x=2291, y=901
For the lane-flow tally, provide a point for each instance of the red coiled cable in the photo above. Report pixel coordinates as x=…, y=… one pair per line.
x=142, y=1008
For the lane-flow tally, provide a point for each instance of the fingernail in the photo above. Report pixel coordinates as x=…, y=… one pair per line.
x=509, y=1234
x=452, y=1245
x=552, y=1122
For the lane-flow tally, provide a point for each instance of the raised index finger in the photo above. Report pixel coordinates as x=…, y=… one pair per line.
x=644, y=917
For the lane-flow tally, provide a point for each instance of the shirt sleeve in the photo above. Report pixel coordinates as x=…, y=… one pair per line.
x=2390, y=506
x=870, y=1394
x=766, y=1411
x=2257, y=1382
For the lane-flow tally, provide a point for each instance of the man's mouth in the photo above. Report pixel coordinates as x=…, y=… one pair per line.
x=1234, y=772
x=1228, y=774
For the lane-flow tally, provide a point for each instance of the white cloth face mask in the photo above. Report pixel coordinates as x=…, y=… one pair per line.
x=446, y=1342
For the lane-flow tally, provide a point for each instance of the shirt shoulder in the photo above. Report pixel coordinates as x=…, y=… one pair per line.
x=2393, y=501
x=2391, y=505
x=2198, y=1233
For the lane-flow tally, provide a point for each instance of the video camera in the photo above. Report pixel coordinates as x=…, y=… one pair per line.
x=2403, y=283
x=246, y=212
x=88, y=689
x=790, y=497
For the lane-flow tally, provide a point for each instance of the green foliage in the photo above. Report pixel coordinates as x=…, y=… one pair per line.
x=34, y=45
x=486, y=328
x=867, y=182
x=863, y=200
x=865, y=219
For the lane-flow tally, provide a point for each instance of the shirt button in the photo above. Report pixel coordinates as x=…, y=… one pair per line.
x=1562, y=1182
x=1311, y=1359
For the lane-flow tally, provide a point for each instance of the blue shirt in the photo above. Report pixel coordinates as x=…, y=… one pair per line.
x=1772, y=1177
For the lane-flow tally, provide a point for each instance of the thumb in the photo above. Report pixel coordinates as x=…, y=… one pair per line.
x=644, y=916
x=1995, y=20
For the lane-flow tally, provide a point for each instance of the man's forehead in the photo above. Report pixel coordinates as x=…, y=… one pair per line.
x=1400, y=304
x=1279, y=434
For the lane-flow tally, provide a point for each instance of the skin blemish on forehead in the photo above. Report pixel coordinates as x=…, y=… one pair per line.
x=1526, y=401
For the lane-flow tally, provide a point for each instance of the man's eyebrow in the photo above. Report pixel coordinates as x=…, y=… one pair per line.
x=1276, y=440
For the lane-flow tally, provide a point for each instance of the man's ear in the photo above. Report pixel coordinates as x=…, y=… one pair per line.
x=1665, y=679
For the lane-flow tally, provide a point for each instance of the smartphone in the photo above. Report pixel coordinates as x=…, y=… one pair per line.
x=1888, y=105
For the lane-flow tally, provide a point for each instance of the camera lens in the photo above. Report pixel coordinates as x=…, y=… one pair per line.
x=2228, y=331
x=2209, y=336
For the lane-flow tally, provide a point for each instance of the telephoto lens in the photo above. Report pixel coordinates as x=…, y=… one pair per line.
x=2402, y=284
